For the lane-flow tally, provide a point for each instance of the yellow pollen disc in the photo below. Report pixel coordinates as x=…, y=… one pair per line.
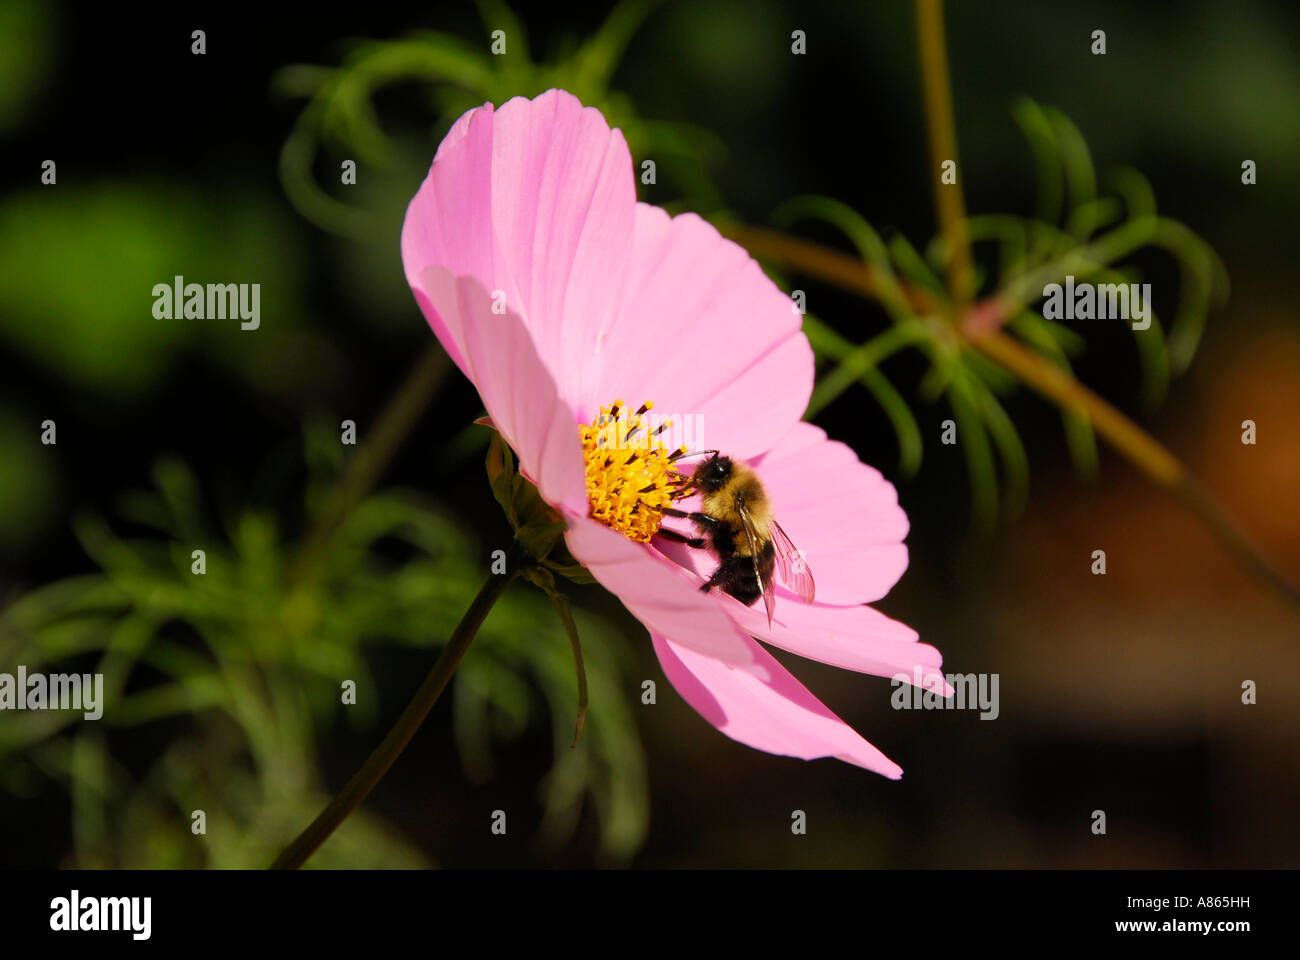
x=630, y=478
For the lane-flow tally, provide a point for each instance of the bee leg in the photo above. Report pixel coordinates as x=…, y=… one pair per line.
x=703, y=519
x=696, y=542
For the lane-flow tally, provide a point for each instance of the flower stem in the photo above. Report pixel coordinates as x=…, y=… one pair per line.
x=364, y=780
x=1051, y=381
x=948, y=200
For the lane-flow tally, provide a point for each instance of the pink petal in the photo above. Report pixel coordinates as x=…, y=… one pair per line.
x=703, y=332
x=764, y=707
x=841, y=514
x=854, y=638
x=657, y=592
x=535, y=201
x=517, y=390
x=449, y=224
x=564, y=201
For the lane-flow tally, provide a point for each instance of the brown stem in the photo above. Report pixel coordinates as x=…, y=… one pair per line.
x=948, y=200
x=1053, y=382
x=813, y=260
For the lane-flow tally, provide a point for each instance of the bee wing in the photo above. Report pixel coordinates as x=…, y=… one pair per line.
x=790, y=564
x=767, y=588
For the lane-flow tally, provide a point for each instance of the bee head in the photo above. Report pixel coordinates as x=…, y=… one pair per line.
x=712, y=475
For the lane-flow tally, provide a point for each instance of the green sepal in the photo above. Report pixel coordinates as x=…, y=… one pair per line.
x=501, y=474
x=540, y=537
x=574, y=571
x=538, y=526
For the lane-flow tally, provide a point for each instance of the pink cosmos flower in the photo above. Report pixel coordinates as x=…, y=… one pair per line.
x=557, y=293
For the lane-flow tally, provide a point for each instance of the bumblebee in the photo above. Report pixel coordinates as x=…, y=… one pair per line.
x=739, y=529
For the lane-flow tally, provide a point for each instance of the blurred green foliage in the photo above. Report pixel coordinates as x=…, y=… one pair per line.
x=253, y=662
x=27, y=483
x=27, y=59
x=87, y=313
x=1076, y=231
x=459, y=75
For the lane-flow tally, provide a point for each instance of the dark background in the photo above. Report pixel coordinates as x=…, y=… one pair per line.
x=1120, y=693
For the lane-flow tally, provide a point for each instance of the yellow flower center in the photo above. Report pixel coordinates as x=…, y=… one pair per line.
x=631, y=476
